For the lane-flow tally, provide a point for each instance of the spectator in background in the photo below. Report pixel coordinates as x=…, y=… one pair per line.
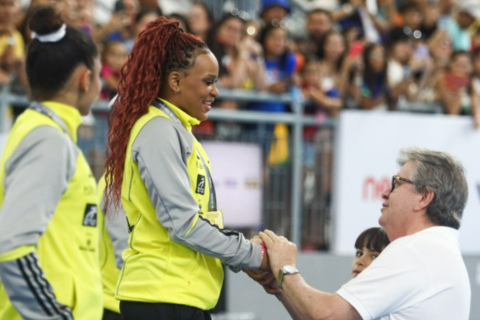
x=318, y=23
x=334, y=65
x=365, y=18
x=201, y=20
x=412, y=18
x=373, y=89
x=120, y=27
x=114, y=56
x=12, y=49
x=458, y=25
x=274, y=11
x=400, y=53
x=431, y=18
x=457, y=91
x=280, y=66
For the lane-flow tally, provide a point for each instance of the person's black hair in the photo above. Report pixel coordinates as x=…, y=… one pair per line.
x=368, y=73
x=262, y=39
x=323, y=42
x=50, y=64
x=217, y=48
x=146, y=11
x=374, y=239
x=397, y=35
x=457, y=53
x=183, y=19
x=319, y=10
x=407, y=6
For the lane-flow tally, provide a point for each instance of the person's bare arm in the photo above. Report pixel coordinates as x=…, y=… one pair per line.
x=309, y=302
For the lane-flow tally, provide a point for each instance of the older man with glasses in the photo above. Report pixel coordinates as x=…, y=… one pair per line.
x=420, y=275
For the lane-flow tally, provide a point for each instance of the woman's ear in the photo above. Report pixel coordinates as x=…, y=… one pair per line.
x=85, y=80
x=174, y=79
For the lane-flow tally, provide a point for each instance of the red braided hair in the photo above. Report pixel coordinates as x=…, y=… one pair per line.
x=160, y=49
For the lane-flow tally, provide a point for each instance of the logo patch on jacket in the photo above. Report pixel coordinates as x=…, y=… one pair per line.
x=90, y=215
x=200, y=189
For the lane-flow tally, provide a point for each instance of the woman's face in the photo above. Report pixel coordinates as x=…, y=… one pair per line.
x=461, y=66
x=377, y=59
x=230, y=32
x=92, y=90
x=363, y=258
x=142, y=23
x=198, y=87
x=276, y=42
x=116, y=56
x=334, y=47
x=198, y=20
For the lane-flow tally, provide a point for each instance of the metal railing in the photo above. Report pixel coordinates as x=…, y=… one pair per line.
x=296, y=120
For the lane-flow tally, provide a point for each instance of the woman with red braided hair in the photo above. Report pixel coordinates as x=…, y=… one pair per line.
x=161, y=174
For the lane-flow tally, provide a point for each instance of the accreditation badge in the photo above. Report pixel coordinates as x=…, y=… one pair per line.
x=215, y=218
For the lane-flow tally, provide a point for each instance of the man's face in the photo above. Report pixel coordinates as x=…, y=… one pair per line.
x=318, y=24
x=278, y=13
x=398, y=206
x=403, y=51
x=465, y=20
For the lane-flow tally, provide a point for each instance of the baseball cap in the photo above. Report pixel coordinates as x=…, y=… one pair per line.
x=471, y=7
x=282, y=3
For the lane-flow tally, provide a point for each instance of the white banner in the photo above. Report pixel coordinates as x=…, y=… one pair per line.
x=366, y=149
x=237, y=175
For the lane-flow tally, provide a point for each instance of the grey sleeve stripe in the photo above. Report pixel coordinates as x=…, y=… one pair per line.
x=29, y=291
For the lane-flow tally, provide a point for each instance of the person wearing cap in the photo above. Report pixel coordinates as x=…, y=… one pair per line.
x=458, y=26
x=275, y=11
x=49, y=259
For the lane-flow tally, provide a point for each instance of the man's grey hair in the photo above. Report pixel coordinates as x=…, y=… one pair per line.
x=445, y=176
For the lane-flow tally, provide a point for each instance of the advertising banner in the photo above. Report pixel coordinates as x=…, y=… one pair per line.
x=366, y=148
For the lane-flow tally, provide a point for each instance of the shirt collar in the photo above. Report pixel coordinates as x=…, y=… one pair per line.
x=70, y=115
x=187, y=120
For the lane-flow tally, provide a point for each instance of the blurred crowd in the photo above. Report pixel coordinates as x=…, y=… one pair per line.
x=419, y=55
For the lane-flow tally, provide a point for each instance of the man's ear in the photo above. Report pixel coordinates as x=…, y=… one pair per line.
x=174, y=81
x=85, y=80
x=425, y=200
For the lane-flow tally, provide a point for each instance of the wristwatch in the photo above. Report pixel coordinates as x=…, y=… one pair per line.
x=285, y=270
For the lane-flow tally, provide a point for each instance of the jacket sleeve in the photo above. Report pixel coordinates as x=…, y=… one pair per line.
x=117, y=229
x=36, y=175
x=161, y=151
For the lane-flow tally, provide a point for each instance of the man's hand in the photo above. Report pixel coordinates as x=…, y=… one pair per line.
x=280, y=251
x=266, y=279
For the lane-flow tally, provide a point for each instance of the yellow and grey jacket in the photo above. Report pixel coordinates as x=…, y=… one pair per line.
x=175, y=254
x=49, y=266
x=114, y=240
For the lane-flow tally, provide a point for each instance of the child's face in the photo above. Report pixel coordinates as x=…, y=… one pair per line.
x=116, y=56
x=363, y=258
x=276, y=42
x=311, y=74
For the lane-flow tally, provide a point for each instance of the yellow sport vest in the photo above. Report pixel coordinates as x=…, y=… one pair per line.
x=68, y=249
x=157, y=269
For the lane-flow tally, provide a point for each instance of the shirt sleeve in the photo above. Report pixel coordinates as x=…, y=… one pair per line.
x=36, y=176
x=161, y=153
x=393, y=282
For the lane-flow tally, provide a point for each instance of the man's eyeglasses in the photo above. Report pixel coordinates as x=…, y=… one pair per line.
x=396, y=178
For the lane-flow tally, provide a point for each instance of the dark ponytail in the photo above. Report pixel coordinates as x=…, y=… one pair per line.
x=50, y=64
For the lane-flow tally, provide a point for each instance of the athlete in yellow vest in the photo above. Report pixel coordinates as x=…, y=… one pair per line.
x=177, y=244
x=49, y=266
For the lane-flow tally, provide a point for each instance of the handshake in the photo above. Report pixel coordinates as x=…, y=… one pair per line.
x=278, y=253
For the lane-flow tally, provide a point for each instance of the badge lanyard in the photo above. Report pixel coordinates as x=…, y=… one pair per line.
x=212, y=202
x=41, y=108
